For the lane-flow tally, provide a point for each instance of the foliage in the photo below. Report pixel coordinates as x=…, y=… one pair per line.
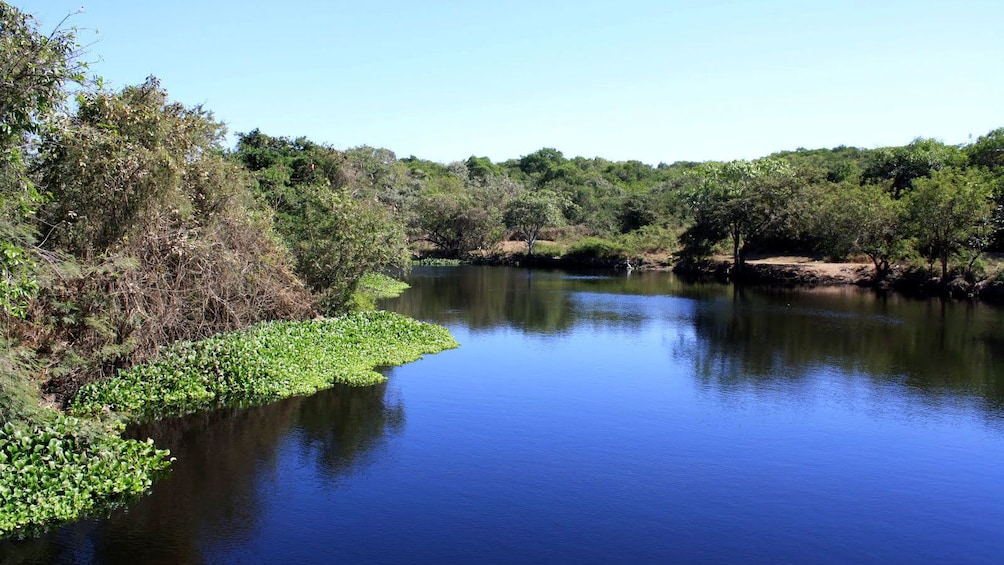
x=849, y=219
x=332, y=209
x=946, y=211
x=650, y=239
x=526, y=214
x=988, y=150
x=741, y=201
x=263, y=363
x=596, y=248
x=156, y=234
x=549, y=249
x=372, y=287
x=918, y=159
x=34, y=68
x=53, y=471
x=456, y=223
x=339, y=240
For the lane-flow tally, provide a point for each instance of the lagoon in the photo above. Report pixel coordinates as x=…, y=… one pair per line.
x=601, y=417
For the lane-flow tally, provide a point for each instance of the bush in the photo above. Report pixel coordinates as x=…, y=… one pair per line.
x=548, y=249
x=651, y=239
x=597, y=248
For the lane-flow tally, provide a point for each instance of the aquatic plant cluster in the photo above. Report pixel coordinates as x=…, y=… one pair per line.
x=266, y=362
x=64, y=466
x=55, y=470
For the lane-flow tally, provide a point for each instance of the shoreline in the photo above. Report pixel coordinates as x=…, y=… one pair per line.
x=779, y=272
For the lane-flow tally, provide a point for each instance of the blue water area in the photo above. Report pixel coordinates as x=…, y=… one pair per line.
x=603, y=419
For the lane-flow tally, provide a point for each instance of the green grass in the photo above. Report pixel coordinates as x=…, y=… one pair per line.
x=263, y=363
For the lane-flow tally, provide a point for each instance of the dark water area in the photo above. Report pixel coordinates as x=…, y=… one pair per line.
x=603, y=418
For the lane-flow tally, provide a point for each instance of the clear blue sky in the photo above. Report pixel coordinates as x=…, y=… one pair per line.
x=630, y=79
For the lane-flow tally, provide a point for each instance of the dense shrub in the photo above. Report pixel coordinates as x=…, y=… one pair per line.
x=596, y=248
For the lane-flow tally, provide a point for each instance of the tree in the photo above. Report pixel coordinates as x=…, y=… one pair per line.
x=851, y=218
x=946, y=211
x=338, y=239
x=529, y=212
x=456, y=223
x=988, y=150
x=157, y=232
x=742, y=201
x=34, y=70
x=919, y=159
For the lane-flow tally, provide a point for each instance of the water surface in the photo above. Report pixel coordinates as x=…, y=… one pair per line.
x=604, y=418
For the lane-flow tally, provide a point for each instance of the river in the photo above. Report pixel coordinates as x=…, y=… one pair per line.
x=603, y=418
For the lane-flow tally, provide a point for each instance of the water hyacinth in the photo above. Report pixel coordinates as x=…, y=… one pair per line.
x=266, y=362
x=54, y=471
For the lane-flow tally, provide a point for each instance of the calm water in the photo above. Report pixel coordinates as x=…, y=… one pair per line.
x=597, y=419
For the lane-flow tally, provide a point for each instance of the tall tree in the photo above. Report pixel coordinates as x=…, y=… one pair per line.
x=919, y=159
x=742, y=201
x=531, y=211
x=946, y=210
x=850, y=218
x=988, y=150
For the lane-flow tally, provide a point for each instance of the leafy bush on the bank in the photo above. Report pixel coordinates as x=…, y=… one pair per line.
x=596, y=248
x=548, y=249
x=650, y=239
x=265, y=362
x=54, y=471
x=372, y=287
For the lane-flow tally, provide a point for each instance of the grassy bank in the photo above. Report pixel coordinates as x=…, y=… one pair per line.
x=55, y=468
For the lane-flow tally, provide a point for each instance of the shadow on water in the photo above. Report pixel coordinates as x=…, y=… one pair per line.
x=226, y=460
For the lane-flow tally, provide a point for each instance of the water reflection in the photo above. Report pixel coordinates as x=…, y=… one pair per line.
x=218, y=488
x=741, y=336
x=931, y=347
x=600, y=418
x=535, y=301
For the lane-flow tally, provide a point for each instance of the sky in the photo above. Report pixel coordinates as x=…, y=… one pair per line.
x=656, y=81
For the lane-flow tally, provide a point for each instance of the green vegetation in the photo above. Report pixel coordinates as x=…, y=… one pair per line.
x=128, y=235
x=373, y=287
x=266, y=362
x=53, y=471
x=136, y=251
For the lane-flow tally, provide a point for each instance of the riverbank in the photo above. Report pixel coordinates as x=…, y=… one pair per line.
x=777, y=271
x=789, y=271
x=60, y=467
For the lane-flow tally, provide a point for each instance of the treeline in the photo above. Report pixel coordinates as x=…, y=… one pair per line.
x=926, y=204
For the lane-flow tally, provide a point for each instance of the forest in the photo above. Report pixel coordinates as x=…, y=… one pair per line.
x=127, y=223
